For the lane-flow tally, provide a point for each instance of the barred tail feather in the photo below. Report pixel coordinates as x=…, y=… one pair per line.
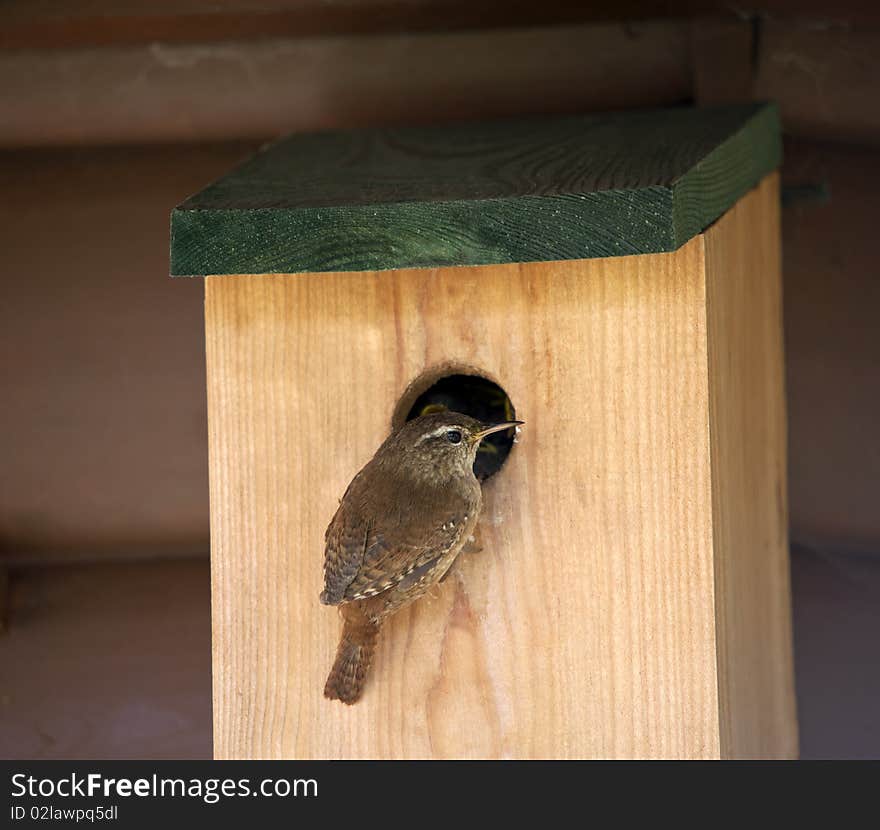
x=353, y=658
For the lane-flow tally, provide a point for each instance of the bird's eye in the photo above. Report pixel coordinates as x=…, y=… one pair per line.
x=453, y=436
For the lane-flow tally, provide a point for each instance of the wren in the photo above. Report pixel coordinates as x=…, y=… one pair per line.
x=402, y=521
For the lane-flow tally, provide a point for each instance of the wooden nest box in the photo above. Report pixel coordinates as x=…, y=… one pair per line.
x=618, y=276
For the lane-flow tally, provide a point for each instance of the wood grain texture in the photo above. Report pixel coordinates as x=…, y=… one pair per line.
x=749, y=492
x=107, y=661
x=585, y=627
x=480, y=193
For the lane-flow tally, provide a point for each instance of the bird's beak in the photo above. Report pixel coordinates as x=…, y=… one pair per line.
x=488, y=430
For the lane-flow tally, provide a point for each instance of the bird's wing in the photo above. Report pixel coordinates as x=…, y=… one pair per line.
x=388, y=559
x=347, y=538
x=370, y=546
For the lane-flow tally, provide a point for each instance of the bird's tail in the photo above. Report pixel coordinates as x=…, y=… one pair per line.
x=353, y=657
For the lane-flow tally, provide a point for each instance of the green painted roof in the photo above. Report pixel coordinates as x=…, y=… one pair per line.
x=477, y=193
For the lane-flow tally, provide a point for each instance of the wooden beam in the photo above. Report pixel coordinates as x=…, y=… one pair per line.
x=825, y=80
x=258, y=89
x=822, y=76
x=477, y=194
x=85, y=23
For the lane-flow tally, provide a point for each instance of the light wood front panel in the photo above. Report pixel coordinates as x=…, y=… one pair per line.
x=585, y=627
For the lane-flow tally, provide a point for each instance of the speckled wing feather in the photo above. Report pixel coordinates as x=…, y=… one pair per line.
x=386, y=562
x=346, y=540
x=364, y=557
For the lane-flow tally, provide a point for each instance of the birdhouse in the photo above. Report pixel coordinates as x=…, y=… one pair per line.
x=612, y=280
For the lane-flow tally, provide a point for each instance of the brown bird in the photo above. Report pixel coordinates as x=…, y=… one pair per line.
x=401, y=523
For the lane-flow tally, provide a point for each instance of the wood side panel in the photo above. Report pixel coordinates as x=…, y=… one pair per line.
x=750, y=515
x=585, y=627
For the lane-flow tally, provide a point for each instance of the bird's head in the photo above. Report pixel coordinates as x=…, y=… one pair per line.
x=443, y=445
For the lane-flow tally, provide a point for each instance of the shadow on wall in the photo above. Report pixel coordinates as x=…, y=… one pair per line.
x=836, y=600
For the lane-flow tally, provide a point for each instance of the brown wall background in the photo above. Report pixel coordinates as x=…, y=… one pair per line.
x=110, y=114
x=103, y=424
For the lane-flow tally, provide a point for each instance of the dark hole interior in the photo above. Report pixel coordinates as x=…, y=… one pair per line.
x=481, y=399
